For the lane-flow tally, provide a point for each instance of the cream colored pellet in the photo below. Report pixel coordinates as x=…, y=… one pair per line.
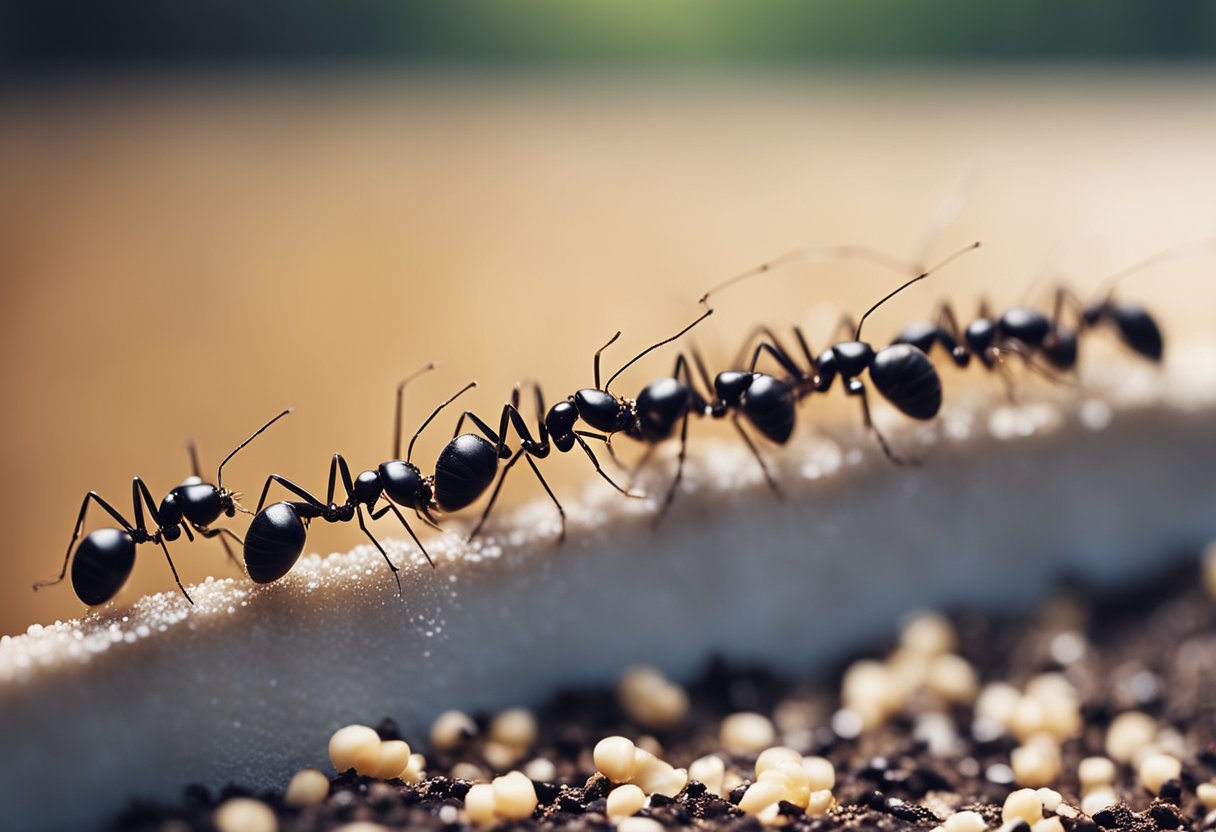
x=501, y=756
x=1206, y=792
x=244, y=814
x=821, y=772
x=929, y=633
x=868, y=688
x=649, y=743
x=394, y=757
x=616, y=758
x=450, y=730
x=1064, y=810
x=541, y=770
x=415, y=770
x=1028, y=718
x=775, y=756
x=954, y=679
x=639, y=825
x=1128, y=733
x=624, y=801
x=649, y=699
x=1157, y=769
x=514, y=796
x=965, y=822
x=308, y=787
x=357, y=747
x=1024, y=804
x=1098, y=799
x=820, y=803
x=653, y=775
x=799, y=790
x=997, y=702
x=1035, y=765
x=746, y=733
x=479, y=803
x=1050, y=798
x=468, y=771
x=1048, y=825
x=515, y=727
x=709, y=770
x=761, y=794
x=1095, y=772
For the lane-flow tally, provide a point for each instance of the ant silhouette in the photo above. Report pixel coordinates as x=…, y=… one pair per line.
x=105, y=557
x=276, y=536
x=901, y=373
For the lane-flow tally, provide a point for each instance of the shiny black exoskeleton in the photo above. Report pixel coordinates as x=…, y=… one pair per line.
x=105, y=558
x=276, y=536
x=651, y=418
x=902, y=373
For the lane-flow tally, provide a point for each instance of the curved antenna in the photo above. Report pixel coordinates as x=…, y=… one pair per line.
x=219, y=473
x=653, y=347
x=426, y=368
x=410, y=451
x=921, y=276
x=1172, y=253
x=611, y=341
x=817, y=254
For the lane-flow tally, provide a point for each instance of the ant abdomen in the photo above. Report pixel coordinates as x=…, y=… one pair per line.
x=274, y=542
x=1136, y=327
x=908, y=379
x=465, y=469
x=103, y=563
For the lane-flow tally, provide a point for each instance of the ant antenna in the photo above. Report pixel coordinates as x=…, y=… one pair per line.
x=653, y=347
x=192, y=449
x=400, y=395
x=921, y=276
x=611, y=341
x=947, y=212
x=410, y=451
x=817, y=254
x=219, y=474
x=1183, y=250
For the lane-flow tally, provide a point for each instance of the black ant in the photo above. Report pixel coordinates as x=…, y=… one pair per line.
x=105, y=557
x=902, y=373
x=650, y=418
x=276, y=536
x=1029, y=333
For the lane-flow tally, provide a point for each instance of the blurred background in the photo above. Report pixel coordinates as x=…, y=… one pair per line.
x=211, y=211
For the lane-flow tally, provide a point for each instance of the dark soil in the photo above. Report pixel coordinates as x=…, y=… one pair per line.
x=1153, y=649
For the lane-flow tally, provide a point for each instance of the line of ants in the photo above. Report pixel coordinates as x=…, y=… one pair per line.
x=903, y=373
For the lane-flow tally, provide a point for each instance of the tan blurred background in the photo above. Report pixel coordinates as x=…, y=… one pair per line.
x=185, y=257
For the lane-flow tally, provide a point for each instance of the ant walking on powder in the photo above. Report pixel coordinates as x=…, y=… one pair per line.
x=105, y=557
x=901, y=373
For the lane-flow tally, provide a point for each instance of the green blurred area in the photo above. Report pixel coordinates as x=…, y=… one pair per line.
x=695, y=34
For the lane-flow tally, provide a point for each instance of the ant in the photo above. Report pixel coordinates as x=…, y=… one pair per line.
x=276, y=536
x=1029, y=333
x=650, y=418
x=902, y=373
x=105, y=557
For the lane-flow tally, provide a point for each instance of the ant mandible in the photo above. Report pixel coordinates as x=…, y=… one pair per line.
x=105, y=557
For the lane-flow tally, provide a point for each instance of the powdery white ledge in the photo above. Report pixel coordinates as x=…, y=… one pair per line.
x=248, y=684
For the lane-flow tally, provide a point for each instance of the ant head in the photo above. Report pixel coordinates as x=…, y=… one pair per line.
x=202, y=504
x=402, y=482
x=603, y=411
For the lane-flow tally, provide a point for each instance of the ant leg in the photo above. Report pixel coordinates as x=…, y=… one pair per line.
x=587, y=449
x=425, y=519
x=173, y=569
x=751, y=446
x=290, y=486
x=675, y=484
x=781, y=357
x=481, y=426
x=870, y=426
x=561, y=511
x=641, y=463
x=210, y=533
x=494, y=495
x=998, y=363
x=388, y=506
x=758, y=330
x=372, y=538
x=192, y=449
x=845, y=325
x=84, y=508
